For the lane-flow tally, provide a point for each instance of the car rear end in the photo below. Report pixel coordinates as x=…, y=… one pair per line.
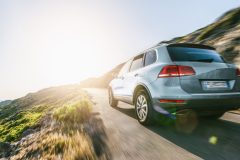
x=196, y=77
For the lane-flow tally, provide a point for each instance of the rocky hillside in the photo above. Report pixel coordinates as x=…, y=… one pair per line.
x=223, y=34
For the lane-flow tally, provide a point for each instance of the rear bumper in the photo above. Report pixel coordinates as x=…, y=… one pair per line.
x=201, y=103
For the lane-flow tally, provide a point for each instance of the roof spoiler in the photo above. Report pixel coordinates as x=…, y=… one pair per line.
x=191, y=45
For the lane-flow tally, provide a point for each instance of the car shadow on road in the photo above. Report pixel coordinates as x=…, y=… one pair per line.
x=211, y=139
x=95, y=129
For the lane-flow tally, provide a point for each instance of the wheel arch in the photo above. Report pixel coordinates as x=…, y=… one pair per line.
x=139, y=87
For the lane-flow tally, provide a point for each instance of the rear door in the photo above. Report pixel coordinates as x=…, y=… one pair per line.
x=131, y=78
x=213, y=75
x=118, y=86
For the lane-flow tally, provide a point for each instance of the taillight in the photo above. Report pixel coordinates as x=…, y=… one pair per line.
x=169, y=71
x=176, y=71
x=186, y=71
x=238, y=72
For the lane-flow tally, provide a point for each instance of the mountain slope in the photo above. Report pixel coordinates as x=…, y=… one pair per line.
x=223, y=34
x=4, y=103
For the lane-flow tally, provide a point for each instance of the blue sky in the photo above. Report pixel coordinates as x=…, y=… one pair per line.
x=47, y=43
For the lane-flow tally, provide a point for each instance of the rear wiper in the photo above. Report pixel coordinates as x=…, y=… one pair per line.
x=201, y=60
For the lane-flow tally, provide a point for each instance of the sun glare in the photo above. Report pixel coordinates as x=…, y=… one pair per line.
x=58, y=45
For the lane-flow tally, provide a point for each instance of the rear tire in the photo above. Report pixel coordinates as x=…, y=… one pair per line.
x=143, y=108
x=112, y=101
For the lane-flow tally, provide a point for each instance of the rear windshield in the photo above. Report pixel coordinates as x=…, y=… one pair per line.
x=194, y=55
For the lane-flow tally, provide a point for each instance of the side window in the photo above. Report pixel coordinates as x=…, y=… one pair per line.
x=137, y=63
x=125, y=68
x=150, y=58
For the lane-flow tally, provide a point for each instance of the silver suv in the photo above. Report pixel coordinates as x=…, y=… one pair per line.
x=171, y=78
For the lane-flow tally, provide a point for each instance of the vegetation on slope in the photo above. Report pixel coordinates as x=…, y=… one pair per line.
x=13, y=126
x=69, y=114
x=4, y=103
x=26, y=112
x=51, y=124
x=64, y=138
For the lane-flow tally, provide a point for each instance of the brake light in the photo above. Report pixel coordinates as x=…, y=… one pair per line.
x=176, y=71
x=238, y=72
x=169, y=71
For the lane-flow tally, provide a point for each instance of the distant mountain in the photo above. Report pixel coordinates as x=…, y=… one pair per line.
x=102, y=81
x=223, y=34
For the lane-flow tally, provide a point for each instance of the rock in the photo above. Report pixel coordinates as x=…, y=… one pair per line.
x=27, y=132
x=5, y=149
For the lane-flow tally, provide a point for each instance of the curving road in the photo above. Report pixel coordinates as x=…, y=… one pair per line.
x=127, y=139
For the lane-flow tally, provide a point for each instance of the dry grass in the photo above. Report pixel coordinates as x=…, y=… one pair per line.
x=51, y=145
x=68, y=147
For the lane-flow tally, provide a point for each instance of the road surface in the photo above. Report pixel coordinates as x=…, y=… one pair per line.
x=127, y=139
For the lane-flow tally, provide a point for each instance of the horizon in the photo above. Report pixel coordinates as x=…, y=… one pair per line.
x=52, y=43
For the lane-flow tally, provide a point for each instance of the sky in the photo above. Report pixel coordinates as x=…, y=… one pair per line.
x=54, y=42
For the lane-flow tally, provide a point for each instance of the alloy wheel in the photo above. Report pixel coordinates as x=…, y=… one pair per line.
x=142, y=108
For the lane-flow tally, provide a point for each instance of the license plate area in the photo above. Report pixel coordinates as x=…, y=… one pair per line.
x=215, y=85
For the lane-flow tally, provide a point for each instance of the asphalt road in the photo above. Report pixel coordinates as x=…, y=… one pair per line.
x=127, y=139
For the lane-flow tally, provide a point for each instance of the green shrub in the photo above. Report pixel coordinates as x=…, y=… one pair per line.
x=12, y=129
x=77, y=112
